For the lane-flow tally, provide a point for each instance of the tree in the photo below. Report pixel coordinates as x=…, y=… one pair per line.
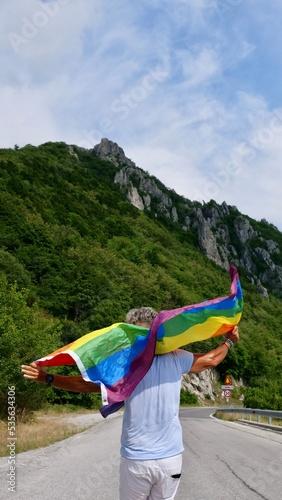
x=25, y=335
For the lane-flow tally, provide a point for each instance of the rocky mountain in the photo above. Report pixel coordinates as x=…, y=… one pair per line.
x=221, y=232
x=86, y=235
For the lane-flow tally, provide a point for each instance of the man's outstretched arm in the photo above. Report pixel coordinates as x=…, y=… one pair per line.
x=212, y=358
x=68, y=383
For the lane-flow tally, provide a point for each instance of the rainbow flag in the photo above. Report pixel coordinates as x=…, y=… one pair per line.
x=120, y=355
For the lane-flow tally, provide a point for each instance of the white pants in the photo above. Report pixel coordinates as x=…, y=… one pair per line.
x=149, y=479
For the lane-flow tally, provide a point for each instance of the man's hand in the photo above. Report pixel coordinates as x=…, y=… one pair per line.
x=33, y=372
x=233, y=335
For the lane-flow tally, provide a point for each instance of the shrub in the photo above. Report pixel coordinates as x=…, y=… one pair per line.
x=187, y=398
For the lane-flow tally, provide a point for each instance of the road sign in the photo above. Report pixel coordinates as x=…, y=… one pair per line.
x=227, y=393
x=227, y=380
x=227, y=387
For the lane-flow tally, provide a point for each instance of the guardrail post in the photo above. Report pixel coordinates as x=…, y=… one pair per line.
x=249, y=412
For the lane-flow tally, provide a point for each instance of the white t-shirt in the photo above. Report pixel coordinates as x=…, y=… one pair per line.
x=151, y=428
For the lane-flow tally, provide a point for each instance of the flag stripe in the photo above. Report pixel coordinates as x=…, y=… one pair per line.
x=178, y=324
x=198, y=332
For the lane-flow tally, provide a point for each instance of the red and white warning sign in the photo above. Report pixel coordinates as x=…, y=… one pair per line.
x=227, y=383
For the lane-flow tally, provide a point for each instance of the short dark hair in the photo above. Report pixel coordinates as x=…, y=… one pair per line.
x=141, y=315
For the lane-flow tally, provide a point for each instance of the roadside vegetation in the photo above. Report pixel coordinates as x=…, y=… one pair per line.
x=44, y=427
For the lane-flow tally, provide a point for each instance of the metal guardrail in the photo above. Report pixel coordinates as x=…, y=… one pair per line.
x=251, y=412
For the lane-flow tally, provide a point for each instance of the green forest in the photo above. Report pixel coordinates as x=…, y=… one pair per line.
x=75, y=256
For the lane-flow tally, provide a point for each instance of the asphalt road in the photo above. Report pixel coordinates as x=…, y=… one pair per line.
x=222, y=460
x=229, y=461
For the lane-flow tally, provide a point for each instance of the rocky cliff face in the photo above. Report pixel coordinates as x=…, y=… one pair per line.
x=224, y=235
x=201, y=384
x=110, y=151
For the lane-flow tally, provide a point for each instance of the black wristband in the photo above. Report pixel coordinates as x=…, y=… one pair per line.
x=49, y=379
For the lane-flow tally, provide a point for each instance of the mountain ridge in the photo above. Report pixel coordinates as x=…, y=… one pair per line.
x=224, y=235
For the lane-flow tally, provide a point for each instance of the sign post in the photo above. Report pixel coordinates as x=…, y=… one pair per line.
x=227, y=388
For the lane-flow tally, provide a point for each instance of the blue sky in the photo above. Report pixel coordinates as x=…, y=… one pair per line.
x=190, y=89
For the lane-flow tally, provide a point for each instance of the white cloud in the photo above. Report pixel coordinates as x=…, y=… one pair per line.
x=170, y=82
x=27, y=116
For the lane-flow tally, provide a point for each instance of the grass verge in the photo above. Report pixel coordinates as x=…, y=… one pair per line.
x=232, y=417
x=36, y=432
